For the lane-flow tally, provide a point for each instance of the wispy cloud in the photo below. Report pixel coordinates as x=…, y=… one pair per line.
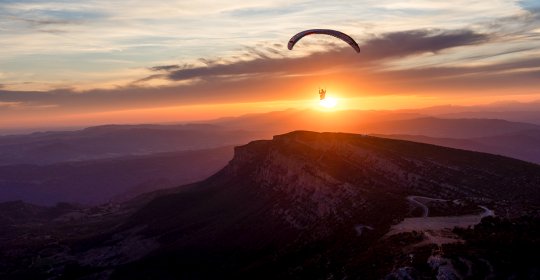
x=8, y=104
x=41, y=22
x=250, y=80
x=396, y=44
x=74, y=33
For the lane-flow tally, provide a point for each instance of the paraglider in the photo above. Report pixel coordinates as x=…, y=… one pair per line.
x=338, y=34
x=334, y=33
x=322, y=93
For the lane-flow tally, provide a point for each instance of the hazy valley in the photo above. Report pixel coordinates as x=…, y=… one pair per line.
x=104, y=163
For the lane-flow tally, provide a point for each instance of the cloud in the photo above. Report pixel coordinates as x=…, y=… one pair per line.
x=268, y=73
x=230, y=80
x=511, y=74
x=165, y=67
x=74, y=33
x=8, y=104
x=419, y=41
x=391, y=45
x=53, y=31
x=40, y=22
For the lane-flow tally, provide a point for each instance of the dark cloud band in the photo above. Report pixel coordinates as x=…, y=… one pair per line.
x=398, y=44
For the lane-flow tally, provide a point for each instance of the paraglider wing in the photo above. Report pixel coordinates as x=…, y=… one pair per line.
x=330, y=32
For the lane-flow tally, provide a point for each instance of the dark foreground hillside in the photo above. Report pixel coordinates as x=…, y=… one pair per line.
x=305, y=205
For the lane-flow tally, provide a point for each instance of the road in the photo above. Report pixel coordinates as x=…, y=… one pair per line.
x=438, y=226
x=425, y=209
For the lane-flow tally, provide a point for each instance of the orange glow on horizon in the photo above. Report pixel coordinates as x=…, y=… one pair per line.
x=203, y=112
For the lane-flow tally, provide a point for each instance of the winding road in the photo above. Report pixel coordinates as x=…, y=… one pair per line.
x=425, y=209
x=434, y=224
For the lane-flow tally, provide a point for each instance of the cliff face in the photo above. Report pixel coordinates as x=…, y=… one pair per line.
x=325, y=171
x=313, y=177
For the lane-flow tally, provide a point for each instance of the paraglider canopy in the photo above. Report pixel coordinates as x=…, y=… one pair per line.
x=335, y=33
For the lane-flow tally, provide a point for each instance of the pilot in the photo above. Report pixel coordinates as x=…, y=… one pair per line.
x=322, y=93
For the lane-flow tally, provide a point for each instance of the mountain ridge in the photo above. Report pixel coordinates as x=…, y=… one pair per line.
x=307, y=205
x=305, y=188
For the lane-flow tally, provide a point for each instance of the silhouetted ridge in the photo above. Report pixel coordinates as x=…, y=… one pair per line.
x=452, y=172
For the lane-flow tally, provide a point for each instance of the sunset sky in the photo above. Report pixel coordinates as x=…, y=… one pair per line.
x=68, y=63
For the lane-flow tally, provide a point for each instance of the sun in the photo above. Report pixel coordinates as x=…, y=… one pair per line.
x=328, y=102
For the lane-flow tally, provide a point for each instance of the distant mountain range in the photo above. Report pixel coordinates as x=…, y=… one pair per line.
x=304, y=205
x=387, y=122
x=450, y=128
x=520, y=144
x=497, y=136
x=97, y=164
x=112, y=141
x=507, y=110
x=101, y=180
